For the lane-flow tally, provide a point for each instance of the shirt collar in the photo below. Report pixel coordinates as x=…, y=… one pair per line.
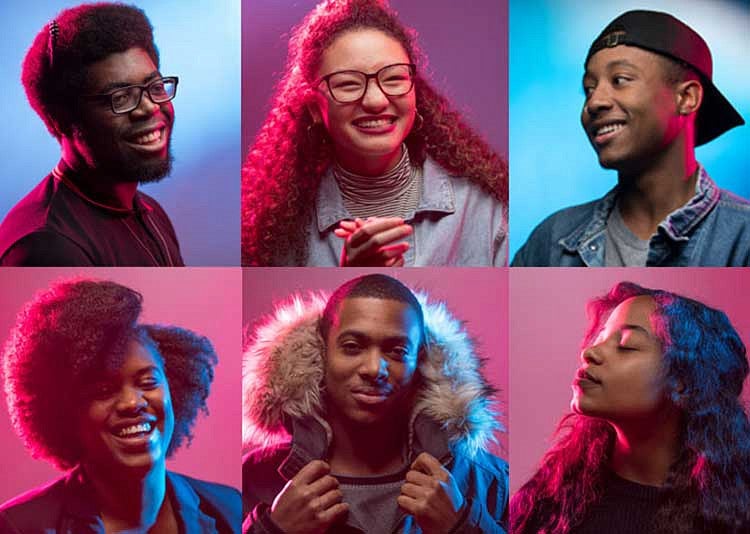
x=82, y=515
x=436, y=196
x=677, y=224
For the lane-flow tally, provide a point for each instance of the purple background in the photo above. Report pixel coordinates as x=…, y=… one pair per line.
x=466, y=43
x=204, y=300
x=479, y=297
x=547, y=324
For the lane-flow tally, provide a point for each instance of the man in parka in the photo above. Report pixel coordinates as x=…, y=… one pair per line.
x=368, y=413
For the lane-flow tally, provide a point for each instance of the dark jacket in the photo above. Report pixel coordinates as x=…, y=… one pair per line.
x=55, y=226
x=66, y=506
x=712, y=229
x=283, y=428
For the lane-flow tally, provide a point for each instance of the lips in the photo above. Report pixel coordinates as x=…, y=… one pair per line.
x=602, y=132
x=133, y=429
x=375, y=124
x=582, y=375
x=149, y=139
x=369, y=395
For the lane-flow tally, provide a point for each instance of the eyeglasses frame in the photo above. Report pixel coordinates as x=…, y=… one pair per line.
x=368, y=77
x=144, y=87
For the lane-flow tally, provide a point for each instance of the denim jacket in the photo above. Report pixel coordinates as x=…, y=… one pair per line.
x=455, y=224
x=712, y=229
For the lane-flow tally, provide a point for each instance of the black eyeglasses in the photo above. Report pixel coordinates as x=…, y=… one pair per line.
x=346, y=86
x=126, y=99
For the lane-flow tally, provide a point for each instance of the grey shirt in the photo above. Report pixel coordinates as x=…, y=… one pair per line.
x=623, y=248
x=372, y=501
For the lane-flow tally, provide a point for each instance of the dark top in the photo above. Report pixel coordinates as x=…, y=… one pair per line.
x=56, y=225
x=66, y=506
x=625, y=508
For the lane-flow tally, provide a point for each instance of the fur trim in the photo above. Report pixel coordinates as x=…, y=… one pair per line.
x=283, y=369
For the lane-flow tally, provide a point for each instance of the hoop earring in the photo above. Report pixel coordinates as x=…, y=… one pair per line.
x=419, y=121
x=310, y=135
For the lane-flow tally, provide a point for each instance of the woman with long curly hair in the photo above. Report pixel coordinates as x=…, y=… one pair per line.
x=658, y=440
x=361, y=162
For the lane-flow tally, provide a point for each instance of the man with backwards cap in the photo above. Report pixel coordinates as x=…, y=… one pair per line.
x=650, y=100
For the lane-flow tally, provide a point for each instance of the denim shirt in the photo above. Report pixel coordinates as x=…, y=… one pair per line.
x=712, y=229
x=456, y=223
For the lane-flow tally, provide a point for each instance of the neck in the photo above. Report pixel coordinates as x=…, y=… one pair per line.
x=94, y=184
x=129, y=503
x=650, y=193
x=367, y=450
x=644, y=451
x=368, y=166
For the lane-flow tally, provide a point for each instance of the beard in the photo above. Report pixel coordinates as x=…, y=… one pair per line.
x=145, y=172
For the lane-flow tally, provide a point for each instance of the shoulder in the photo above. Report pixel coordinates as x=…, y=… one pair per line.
x=219, y=501
x=34, y=510
x=731, y=202
x=537, y=250
x=42, y=248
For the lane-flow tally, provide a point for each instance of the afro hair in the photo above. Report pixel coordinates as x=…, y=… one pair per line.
x=76, y=330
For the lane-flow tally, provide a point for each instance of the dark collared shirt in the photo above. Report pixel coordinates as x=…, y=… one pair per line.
x=56, y=225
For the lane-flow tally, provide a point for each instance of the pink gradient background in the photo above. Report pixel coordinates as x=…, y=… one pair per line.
x=476, y=296
x=547, y=324
x=206, y=300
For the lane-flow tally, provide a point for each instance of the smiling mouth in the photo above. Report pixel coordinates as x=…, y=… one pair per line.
x=375, y=123
x=135, y=431
x=152, y=141
x=608, y=131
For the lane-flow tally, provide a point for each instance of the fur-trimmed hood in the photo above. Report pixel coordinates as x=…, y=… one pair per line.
x=283, y=371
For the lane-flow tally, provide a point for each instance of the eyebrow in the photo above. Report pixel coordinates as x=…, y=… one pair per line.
x=612, y=65
x=120, y=85
x=361, y=335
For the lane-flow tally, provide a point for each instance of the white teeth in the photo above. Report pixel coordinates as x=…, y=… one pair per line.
x=377, y=123
x=149, y=138
x=609, y=128
x=134, y=429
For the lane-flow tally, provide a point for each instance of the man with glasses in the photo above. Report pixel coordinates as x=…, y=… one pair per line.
x=92, y=75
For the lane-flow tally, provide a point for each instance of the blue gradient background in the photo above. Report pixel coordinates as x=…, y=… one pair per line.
x=552, y=164
x=199, y=41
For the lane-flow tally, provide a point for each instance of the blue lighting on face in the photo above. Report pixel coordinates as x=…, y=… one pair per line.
x=552, y=164
x=197, y=41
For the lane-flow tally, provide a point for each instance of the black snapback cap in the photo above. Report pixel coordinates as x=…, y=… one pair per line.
x=664, y=34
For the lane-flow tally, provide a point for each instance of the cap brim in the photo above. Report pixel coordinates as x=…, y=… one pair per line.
x=716, y=114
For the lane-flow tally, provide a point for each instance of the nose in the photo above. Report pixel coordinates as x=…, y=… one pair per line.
x=374, y=366
x=599, y=100
x=131, y=400
x=374, y=97
x=146, y=107
x=591, y=355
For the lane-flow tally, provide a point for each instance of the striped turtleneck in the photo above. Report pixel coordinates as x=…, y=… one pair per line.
x=394, y=194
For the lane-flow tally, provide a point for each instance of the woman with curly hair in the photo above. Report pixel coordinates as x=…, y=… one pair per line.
x=95, y=392
x=658, y=441
x=361, y=162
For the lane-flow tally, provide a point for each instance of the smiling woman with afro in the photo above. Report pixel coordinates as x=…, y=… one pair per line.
x=68, y=339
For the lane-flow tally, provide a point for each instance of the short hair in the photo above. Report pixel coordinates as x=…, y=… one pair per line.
x=377, y=286
x=76, y=330
x=54, y=71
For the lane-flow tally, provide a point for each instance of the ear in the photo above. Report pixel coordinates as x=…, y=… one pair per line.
x=689, y=96
x=314, y=110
